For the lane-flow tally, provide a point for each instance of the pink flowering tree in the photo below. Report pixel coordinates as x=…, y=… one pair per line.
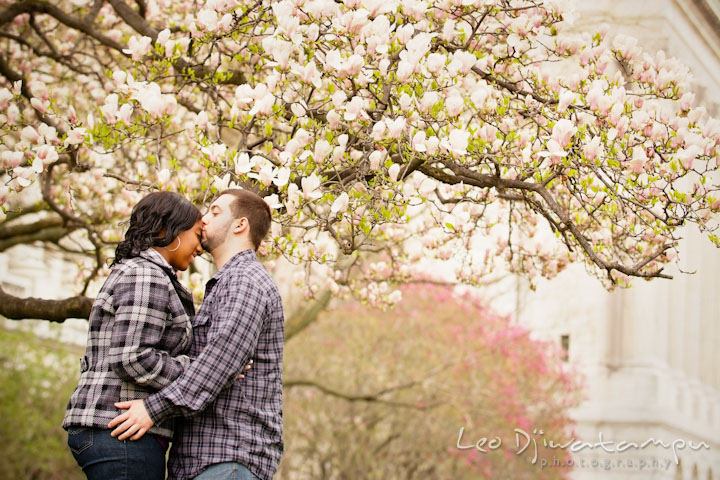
x=381, y=132
x=387, y=397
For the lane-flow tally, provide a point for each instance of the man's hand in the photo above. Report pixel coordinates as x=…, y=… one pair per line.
x=135, y=421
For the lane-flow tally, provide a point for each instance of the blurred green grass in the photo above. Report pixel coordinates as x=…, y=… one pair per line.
x=37, y=377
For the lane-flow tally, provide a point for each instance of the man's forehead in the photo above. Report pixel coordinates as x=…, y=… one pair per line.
x=222, y=202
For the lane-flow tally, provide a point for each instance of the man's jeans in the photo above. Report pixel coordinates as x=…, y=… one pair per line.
x=103, y=457
x=226, y=471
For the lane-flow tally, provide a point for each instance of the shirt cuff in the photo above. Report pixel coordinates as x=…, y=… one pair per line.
x=158, y=407
x=184, y=360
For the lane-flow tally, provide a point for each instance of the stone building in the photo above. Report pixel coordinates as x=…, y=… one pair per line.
x=650, y=354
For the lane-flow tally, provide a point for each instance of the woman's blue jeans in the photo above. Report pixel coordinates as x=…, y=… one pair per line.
x=103, y=457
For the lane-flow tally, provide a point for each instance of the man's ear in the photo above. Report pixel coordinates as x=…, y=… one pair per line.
x=240, y=225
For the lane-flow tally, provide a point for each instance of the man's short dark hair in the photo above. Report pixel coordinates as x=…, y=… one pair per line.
x=251, y=206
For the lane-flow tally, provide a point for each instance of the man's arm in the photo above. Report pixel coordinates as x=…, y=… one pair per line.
x=237, y=321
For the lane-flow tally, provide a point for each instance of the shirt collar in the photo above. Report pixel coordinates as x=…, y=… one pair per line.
x=154, y=256
x=237, y=259
x=240, y=257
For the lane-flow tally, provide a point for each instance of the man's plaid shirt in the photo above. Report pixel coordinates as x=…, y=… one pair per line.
x=230, y=420
x=139, y=331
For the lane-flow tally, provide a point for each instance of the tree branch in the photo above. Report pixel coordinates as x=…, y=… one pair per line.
x=300, y=321
x=52, y=234
x=7, y=231
x=370, y=398
x=16, y=308
x=37, y=6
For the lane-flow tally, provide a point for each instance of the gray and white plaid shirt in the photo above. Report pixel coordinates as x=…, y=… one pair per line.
x=230, y=420
x=139, y=332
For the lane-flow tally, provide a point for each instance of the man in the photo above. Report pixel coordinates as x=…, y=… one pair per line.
x=232, y=428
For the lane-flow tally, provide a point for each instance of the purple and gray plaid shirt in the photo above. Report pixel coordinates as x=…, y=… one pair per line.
x=139, y=333
x=229, y=420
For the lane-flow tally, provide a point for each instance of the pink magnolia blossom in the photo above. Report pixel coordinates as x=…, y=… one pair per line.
x=310, y=74
x=47, y=154
x=554, y=151
x=110, y=109
x=244, y=94
x=13, y=113
x=394, y=171
x=462, y=62
x=138, y=47
x=479, y=95
x=226, y=22
x=562, y=131
x=4, y=194
x=378, y=130
x=11, y=159
x=273, y=202
x=215, y=151
x=435, y=62
x=264, y=105
x=163, y=37
x=593, y=149
x=49, y=134
x=281, y=177
x=355, y=109
x=404, y=33
x=340, y=204
x=353, y=65
x=418, y=142
x=207, y=19
x=395, y=127
x=686, y=101
x=322, y=148
x=30, y=135
x=404, y=70
x=333, y=118
x=449, y=32
x=152, y=100
x=164, y=176
x=40, y=105
x=280, y=50
x=566, y=98
x=427, y=186
x=265, y=175
x=432, y=145
x=125, y=113
x=375, y=158
x=638, y=161
x=454, y=103
x=428, y=101
x=311, y=187
x=458, y=141
x=242, y=163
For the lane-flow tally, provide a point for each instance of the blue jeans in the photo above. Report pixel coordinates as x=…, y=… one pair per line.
x=103, y=457
x=226, y=471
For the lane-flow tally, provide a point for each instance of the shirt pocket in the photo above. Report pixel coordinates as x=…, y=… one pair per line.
x=104, y=302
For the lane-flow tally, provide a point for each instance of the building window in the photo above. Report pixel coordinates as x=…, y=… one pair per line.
x=565, y=346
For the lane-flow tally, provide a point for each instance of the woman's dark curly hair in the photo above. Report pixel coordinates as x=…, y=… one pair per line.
x=155, y=213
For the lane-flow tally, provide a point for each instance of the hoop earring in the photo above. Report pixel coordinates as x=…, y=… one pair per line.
x=175, y=247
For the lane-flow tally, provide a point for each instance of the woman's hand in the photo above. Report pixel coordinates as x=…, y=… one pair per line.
x=247, y=367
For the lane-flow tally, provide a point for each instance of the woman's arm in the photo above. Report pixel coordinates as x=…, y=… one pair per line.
x=141, y=298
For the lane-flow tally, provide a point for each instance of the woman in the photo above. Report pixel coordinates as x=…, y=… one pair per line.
x=139, y=332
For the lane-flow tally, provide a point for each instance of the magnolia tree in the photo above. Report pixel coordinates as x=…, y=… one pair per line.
x=381, y=132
